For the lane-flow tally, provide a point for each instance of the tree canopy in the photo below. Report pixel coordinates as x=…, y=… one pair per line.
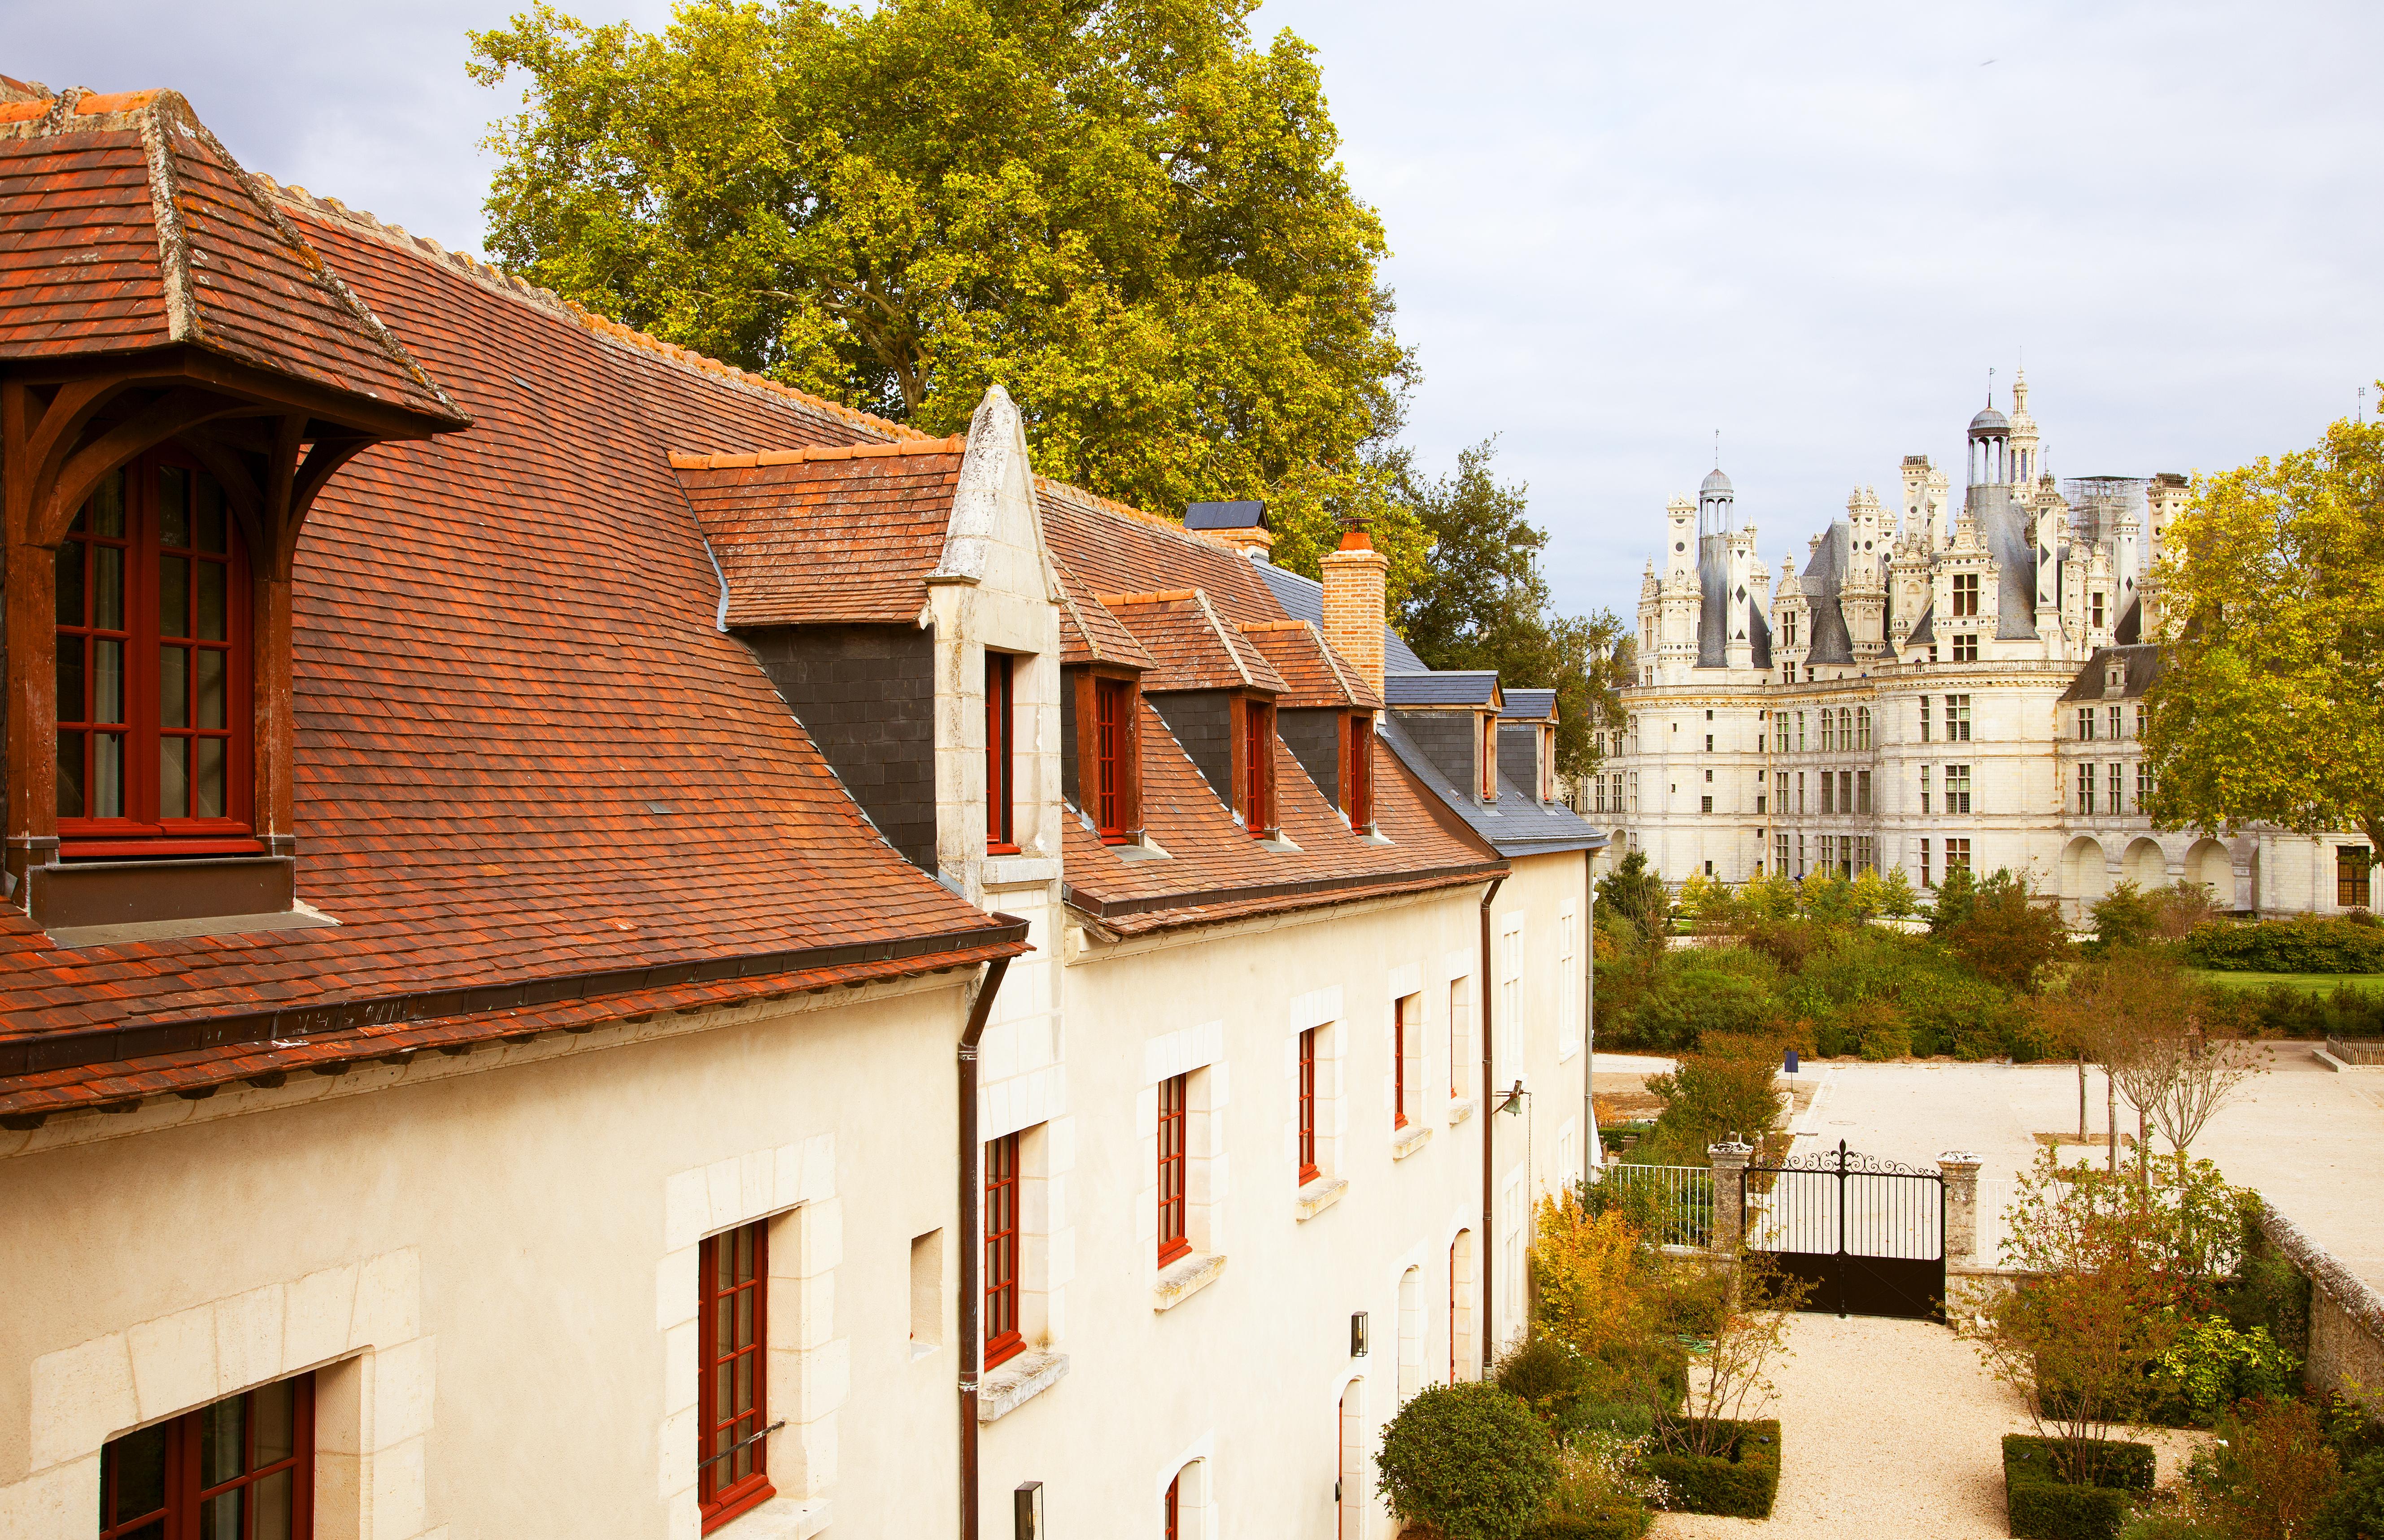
x=2271, y=706
x=1128, y=214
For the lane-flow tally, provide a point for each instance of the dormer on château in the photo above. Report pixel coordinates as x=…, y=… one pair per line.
x=1791, y=623
x=1925, y=490
x=2165, y=500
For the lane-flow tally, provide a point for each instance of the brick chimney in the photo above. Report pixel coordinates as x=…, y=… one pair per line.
x=1354, y=608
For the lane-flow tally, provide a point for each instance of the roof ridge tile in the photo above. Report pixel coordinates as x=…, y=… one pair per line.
x=954, y=444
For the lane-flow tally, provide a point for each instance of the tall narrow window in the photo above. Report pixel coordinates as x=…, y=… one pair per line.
x=2115, y=788
x=732, y=1270
x=1309, y=1168
x=153, y=669
x=1460, y=1038
x=242, y=1469
x=1957, y=854
x=2352, y=868
x=1003, y=1338
x=1111, y=704
x=1174, y=1240
x=1957, y=791
x=1926, y=879
x=1000, y=670
x=2095, y=608
x=1172, y=1510
x=1862, y=792
x=1957, y=719
x=1488, y=755
x=1357, y=777
x=2113, y=722
x=1257, y=768
x=1407, y=1059
x=1924, y=789
x=1924, y=719
x=2085, y=722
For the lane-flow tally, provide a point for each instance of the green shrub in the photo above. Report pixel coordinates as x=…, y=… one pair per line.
x=1468, y=1461
x=1601, y=1491
x=2213, y=1365
x=1626, y=1418
x=1547, y=1375
x=2040, y=1506
x=2308, y=944
x=2358, y=1511
x=1885, y=1039
x=1741, y=1485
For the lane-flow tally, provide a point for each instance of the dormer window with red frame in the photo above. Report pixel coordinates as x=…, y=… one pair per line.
x=1256, y=780
x=153, y=669
x=1357, y=769
x=1489, y=757
x=1548, y=737
x=1000, y=671
x=1112, y=757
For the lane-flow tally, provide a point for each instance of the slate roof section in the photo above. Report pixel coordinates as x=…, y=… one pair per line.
x=1226, y=515
x=1446, y=687
x=1191, y=646
x=124, y=225
x=1313, y=674
x=824, y=535
x=1303, y=599
x=2143, y=660
x=526, y=754
x=1517, y=824
x=1529, y=705
x=1831, y=642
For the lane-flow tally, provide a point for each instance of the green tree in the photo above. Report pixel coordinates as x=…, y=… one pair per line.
x=2011, y=933
x=1481, y=602
x=1956, y=898
x=1638, y=895
x=2270, y=707
x=1128, y=214
x=1469, y=1461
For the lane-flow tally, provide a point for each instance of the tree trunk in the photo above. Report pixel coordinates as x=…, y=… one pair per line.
x=2081, y=1099
x=2111, y=1123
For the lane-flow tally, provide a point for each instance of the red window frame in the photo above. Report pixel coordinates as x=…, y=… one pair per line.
x=144, y=682
x=173, y=1461
x=1257, y=768
x=1000, y=674
x=732, y=1326
x=1309, y=1169
x=1400, y=1027
x=1110, y=754
x=1003, y=1338
x=1174, y=1240
x=1489, y=758
x=1174, y=1505
x=1358, y=779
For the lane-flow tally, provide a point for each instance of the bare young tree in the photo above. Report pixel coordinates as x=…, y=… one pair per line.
x=2204, y=1076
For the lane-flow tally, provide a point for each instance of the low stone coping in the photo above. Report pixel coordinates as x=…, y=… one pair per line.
x=1318, y=1196
x=1017, y=1381
x=1186, y=1277
x=1408, y=1140
x=2357, y=1297
x=779, y=1519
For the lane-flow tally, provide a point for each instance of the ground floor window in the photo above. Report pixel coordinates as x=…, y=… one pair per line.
x=2351, y=876
x=1780, y=854
x=1926, y=879
x=1002, y=1337
x=242, y=1469
x=732, y=1270
x=2114, y=786
x=1957, y=854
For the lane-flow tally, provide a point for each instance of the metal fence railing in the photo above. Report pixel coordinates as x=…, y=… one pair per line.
x=1995, y=1195
x=1683, y=1197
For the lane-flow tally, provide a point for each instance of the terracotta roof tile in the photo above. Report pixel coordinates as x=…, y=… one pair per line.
x=1192, y=647
x=1314, y=674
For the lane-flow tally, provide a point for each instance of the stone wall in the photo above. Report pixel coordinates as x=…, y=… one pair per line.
x=2346, y=1335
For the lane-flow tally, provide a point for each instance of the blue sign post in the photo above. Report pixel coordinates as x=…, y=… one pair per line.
x=1790, y=1063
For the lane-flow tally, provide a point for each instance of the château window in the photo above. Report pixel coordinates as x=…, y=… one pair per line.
x=1174, y=1239
x=152, y=616
x=1927, y=879
x=1407, y=1058
x=242, y=1469
x=1113, y=737
x=2143, y=784
x=1488, y=756
x=1957, y=791
x=1966, y=648
x=2114, y=786
x=1845, y=791
x=999, y=672
x=2095, y=606
x=1862, y=792
x=2352, y=868
x=732, y=1273
x=1957, y=856
x=2085, y=722
x=2113, y=721
x=1460, y=1006
x=1924, y=789
x=1862, y=728
x=1800, y=791
x=1800, y=732
x=1257, y=768
x=1002, y=1337
x=1957, y=719
x=2085, y=790
x=1924, y=719
x=1309, y=1168
x=1829, y=802
x=1966, y=598
x=1780, y=854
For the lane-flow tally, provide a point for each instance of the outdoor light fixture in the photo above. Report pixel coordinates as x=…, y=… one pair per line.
x=1514, y=1103
x=1358, y=1334
x=1028, y=1506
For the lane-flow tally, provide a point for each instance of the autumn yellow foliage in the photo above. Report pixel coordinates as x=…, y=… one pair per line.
x=1586, y=1271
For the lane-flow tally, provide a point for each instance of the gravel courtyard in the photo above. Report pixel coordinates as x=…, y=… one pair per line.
x=1890, y=1430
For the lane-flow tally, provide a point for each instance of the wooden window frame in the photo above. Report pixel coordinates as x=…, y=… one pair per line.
x=1174, y=1504
x=1005, y=1339
x=722, y=1498
x=1113, y=760
x=185, y=1488
x=1310, y=1169
x=1357, y=769
x=1000, y=812
x=1400, y=1061
x=1487, y=753
x=2355, y=880
x=1174, y=1203
x=1254, y=785
x=1966, y=594
x=141, y=827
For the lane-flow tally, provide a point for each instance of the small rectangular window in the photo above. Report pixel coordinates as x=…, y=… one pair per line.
x=1309, y=1169
x=1407, y=1056
x=1965, y=593
x=1705, y=804
x=1175, y=1238
x=2085, y=724
x=732, y=1273
x=999, y=827
x=1003, y=1339
x=1461, y=1049
x=1966, y=648
x=2352, y=875
x=1957, y=854
x=1927, y=879
x=1957, y=719
x=242, y=1469
x=1957, y=789
x=2095, y=608
x=1257, y=768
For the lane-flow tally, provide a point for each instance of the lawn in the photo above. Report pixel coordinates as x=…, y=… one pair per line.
x=2309, y=984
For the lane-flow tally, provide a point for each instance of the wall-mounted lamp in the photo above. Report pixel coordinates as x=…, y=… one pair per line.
x=1358, y=1334
x=1028, y=1507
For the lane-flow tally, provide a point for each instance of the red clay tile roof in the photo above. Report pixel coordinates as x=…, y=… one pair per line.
x=1314, y=674
x=1089, y=634
x=86, y=184
x=1119, y=549
x=1193, y=648
x=525, y=750
x=819, y=535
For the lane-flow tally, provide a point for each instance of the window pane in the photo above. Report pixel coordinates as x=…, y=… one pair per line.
x=208, y=526
x=70, y=775
x=108, y=775
x=174, y=507
x=222, y=1444
x=744, y=1319
x=274, y=1411
x=272, y=1506
x=173, y=596
x=219, y=1516
x=105, y=512
x=71, y=583
x=108, y=587
x=744, y=1401
x=174, y=778
x=107, y=680
x=207, y=779
x=210, y=665
x=211, y=576
x=173, y=687
x=71, y=705
x=133, y=1474
x=722, y=1326
x=745, y=1254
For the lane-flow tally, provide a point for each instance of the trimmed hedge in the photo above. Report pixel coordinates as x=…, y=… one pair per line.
x=2041, y=1508
x=1622, y=1522
x=2309, y=944
x=1739, y=1485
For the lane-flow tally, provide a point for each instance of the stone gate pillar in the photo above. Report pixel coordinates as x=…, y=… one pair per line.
x=1961, y=1168
x=1729, y=1160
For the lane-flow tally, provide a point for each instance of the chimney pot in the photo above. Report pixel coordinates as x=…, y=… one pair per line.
x=1355, y=605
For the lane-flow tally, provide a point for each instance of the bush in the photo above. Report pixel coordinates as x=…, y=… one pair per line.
x=2040, y=1506
x=1626, y=1418
x=1740, y=1484
x=2357, y=1510
x=1468, y=1461
x=2306, y=945
x=1602, y=1492
x=1547, y=1375
x=2213, y=1365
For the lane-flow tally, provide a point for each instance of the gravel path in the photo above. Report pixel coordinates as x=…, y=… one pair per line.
x=1890, y=1430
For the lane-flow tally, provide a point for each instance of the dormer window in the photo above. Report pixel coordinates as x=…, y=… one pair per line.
x=1548, y=737
x=152, y=676
x=1488, y=757
x=1000, y=828
x=1112, y=757
x=1254, y=771
x=1358, y=770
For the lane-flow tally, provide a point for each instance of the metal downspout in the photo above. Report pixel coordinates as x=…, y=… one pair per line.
x=972, y=1218
x=1487, y=1249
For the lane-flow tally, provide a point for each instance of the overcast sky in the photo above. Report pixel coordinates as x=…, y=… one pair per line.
x=1619, y=228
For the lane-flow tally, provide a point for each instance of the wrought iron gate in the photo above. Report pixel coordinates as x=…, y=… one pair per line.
x=1867, y=1233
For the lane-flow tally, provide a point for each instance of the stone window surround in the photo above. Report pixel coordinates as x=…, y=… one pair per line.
x=793, y=1187
x=1197, y=1053
x=1398, y=985
x=1457, y=967
x=1320, y=1010
x=356, y=1327
x=1047, y=1253
x=1569, y=979
x=1195, y=1499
